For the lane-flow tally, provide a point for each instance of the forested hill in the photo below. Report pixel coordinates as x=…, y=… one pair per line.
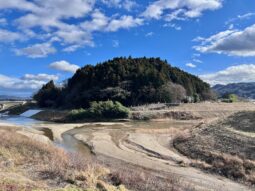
x=131, y=81
x=244, y=90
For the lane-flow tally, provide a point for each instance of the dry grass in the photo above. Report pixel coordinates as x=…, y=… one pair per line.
x=144, y=181
x=218, y=149
x=138, y=178
x=39, y=166
x=47, y=165
x=150, y=115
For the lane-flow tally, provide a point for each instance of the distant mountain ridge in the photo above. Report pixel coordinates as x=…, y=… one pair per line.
x=11, y=98
x=245, y=90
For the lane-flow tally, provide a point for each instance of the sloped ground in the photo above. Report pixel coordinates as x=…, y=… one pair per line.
x=191, y=111
x=226, y=147
x=148, y=148
x=29, y=165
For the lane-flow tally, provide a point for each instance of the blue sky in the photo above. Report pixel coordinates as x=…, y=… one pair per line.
x=43, y=39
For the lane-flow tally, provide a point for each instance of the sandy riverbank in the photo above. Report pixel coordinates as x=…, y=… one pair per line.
x=149, y=145
x=152, y=151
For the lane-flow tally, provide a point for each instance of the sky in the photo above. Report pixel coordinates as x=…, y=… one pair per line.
x=42, y=40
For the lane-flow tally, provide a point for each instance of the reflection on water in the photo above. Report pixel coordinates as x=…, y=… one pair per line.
x=69, y=143
x=19, y=120
x=73, y=145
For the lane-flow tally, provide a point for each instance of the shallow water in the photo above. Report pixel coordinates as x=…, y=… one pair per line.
x=30, y=112
x=19, y=120
x=71, y=144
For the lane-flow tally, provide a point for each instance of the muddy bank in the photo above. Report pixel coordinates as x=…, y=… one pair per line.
x=194, y=111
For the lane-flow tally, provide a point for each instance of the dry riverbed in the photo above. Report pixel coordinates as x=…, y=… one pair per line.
x=147, y=147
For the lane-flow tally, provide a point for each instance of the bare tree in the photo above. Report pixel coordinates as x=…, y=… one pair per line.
x=172, y=93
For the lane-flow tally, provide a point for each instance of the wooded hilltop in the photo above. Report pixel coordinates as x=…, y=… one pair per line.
x=131, y=81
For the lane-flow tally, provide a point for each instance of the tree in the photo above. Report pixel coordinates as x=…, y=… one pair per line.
x=171, y=93
x=131, y=81
x=48, y=96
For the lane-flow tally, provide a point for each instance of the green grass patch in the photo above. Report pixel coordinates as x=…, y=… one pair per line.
x=100, y=110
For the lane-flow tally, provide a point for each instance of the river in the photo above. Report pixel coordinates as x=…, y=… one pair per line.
x=144, y=144
x=68, y=142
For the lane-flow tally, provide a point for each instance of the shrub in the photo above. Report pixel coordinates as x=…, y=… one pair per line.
x=230, y=98
x=101, y=110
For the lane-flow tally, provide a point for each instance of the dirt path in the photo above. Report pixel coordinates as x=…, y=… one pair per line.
x=151, y=149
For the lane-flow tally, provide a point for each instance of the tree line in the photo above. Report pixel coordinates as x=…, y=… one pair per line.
x=130, y=81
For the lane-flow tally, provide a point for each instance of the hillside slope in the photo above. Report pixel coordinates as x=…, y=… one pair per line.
x=245, y=90
x=225, y=147
x=127, y=80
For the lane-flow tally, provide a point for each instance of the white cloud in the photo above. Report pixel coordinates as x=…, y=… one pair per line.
x=124, y=22
x=45, y=21
x=172, y=25
x=129, y=5
x=112, y=3
x=197, y=60
x=64, y=66
x=8, y=36
x=3, y=21
x=40, y=77
x=100, y=22
x=72, y=48
x=191, y=65
x=126, y=4
x=240, y=17
x=233, y=74
x=17, y=4
x=27, y=82
x=230, y=42
x=193, y=8
x=36, y=51
x=149, y=34
x=115, y=43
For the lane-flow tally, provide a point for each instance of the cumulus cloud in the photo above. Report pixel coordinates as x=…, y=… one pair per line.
x=129, y=5
x=40, y=77
x=112, y=3
x=230, y=42
x=45, y=21
x=233, y=74
x=100, y=22
x=182, y=8
x=37, y=50
x=8, y=36
x=124, y=22
x=191, y=65
x=17, y=4
x=126, y=4
x=3, y=21
x=64, y=66
x=27, y=84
